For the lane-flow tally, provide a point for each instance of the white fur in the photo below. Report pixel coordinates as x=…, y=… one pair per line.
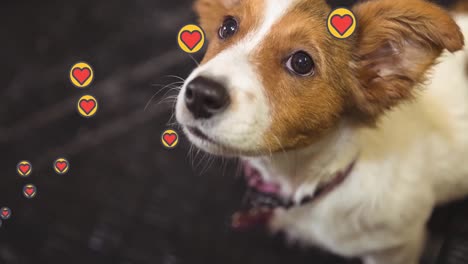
x=233, y=68
x=415, y=159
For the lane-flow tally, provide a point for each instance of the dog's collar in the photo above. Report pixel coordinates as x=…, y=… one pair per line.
x=327, y=188
x=259, y=214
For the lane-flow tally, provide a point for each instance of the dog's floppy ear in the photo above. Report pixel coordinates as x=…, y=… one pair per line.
x=210, y=11
x=397, y=42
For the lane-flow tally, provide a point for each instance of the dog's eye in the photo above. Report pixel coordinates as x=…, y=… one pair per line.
x=301, y=64
x=228, y=28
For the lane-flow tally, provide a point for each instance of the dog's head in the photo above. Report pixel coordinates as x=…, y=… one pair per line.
x=274, y=78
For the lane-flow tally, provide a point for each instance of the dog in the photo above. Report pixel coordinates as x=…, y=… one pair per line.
x=359, y=138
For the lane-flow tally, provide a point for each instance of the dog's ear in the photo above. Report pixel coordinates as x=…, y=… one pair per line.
x=210, y=11
x=397, y=42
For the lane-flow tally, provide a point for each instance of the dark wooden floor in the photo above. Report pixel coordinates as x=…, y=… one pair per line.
x=126, y=199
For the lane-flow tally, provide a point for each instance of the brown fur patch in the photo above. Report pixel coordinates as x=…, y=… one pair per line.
x=460, y=6
x=303, y=108
x=398, y=42
x=212, y=14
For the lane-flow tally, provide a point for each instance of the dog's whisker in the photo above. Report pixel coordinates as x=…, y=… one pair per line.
x=169, y=97
x=156, y=94
x=165, y=98
x=223, y=166
x=200, y=156
x=173, y=112
x=196, y=155
x=194, y=60
x=166, y=103
x=165, y=85
x=175, y=76
x=204, y=156
x=209, y=163
x=238, y=172
x=173, y=123
x=189, y=152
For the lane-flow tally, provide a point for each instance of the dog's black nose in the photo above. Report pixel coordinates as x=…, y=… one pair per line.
x=205, y=97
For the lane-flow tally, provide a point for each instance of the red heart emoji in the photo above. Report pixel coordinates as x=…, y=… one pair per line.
x=342, y=23
x=81, y=74
x=5, y=212
x=170, y=138
x=29, y=191
x=61, y=165
x=87, y=105
x=191, y=39
x=24, y=168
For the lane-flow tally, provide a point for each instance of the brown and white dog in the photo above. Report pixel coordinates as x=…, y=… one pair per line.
x=364, y=136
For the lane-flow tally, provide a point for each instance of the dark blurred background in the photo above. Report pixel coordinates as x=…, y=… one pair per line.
x=126, y=199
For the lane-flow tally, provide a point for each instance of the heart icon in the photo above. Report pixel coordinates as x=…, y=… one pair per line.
x=5, y=213
x=170, y=138
x=87, y=105
x=24, y=168
x=61, y=166
x=29, y=191
x=191, y=38
x=342, y=23
x=81, y=75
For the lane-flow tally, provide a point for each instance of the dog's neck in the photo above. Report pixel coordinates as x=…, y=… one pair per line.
x=300, y=172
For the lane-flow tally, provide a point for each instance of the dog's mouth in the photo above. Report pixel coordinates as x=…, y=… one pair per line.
x=212, y=144
x=260, y=201
x=199, y=134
